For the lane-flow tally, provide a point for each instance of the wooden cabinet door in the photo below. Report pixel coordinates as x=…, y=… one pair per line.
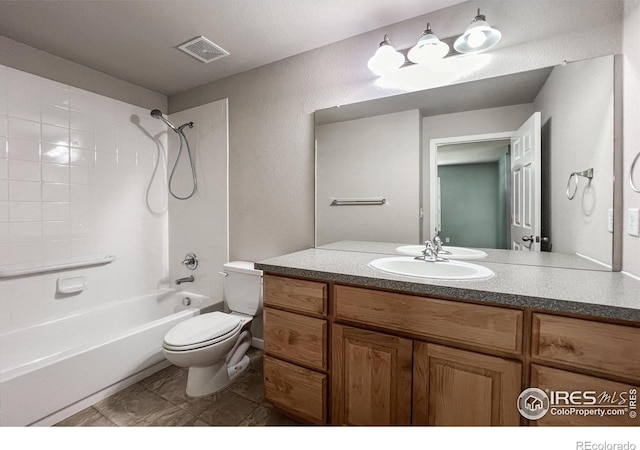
x=371, y=378
x=614, y=405
x=461, y=388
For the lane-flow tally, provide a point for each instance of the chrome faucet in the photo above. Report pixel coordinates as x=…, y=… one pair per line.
x=429, y=254
x=437, y=244
x=188, y=279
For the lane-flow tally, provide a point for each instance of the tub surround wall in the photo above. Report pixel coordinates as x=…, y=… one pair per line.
x=81, y=175
x=271, y=124
x=200, y=224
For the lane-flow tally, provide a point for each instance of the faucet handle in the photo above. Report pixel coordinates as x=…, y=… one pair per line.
x=190, y=261
x=429, y=249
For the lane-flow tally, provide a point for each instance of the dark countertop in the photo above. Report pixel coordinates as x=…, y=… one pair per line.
x=611, y=295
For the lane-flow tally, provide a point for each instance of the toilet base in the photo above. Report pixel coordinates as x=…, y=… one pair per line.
x=208, y=380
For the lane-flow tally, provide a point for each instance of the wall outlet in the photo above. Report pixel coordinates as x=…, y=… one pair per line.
x=610, y=220
x=633, y=222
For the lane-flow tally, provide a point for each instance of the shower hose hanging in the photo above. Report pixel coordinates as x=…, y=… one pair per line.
x=157, y=114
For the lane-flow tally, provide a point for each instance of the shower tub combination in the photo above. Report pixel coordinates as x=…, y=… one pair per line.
x=52, y=370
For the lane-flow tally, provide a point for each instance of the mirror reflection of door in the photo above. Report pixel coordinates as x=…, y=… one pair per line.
x=489, y=189
x=474, y=192
x=526, y=186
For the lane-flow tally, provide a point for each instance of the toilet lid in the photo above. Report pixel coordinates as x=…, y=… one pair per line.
x=198, y=330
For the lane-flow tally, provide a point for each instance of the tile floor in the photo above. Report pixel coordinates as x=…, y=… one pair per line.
x=160, y=400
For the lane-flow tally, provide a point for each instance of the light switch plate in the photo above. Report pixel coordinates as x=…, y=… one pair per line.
x=633, y=222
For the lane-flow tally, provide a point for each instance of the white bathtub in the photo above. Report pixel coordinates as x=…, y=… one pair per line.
x=52, y=370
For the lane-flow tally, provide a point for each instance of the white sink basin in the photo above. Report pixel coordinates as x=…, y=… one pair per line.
x=450, y=270
x=454, y=252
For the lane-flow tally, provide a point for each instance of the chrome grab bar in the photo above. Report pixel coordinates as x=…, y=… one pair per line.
x=358, y=202
x=55, y=267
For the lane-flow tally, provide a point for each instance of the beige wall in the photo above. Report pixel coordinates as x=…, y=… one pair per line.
x=373, y=157
x=271, y=108
x=577, y=111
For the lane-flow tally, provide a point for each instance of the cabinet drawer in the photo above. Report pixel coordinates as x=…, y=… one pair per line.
x=484, y=326
x=296, y=338
x=587, y=344
x=618, y=395
x=297, y=295
x=302, y=392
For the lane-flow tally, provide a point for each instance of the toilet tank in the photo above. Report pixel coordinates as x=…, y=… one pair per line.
x=243, y=288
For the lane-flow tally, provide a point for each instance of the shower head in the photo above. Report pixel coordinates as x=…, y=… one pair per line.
x=157, y=114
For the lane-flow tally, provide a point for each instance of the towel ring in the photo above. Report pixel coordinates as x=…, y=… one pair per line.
x=571, y=195
x=633, y=165
x=574, y=176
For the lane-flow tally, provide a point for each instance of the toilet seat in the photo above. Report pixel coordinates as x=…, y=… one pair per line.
x=202, y=331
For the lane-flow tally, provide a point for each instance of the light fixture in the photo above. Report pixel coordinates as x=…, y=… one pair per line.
x=386, y=59
x=428, y=49
x=478, y=37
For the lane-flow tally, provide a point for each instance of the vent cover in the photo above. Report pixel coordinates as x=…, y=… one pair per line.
x=203, y=49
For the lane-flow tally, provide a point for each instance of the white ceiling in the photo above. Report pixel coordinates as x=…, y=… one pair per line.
x=137, y=40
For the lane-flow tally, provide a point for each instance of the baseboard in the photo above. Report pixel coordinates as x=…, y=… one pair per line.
x=257, y=343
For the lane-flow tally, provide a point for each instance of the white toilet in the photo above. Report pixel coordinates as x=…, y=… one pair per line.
x=213, y=345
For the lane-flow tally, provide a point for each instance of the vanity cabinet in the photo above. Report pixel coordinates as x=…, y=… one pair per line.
x=610, y=353
x=482, y=326
x=350, y=355
x=616, y=398
x=587, y=344
x=380, y=378
x=296, y=347
x=371, y=377
x=462, y=388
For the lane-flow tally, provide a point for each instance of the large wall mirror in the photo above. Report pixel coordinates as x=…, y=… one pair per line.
x=520, y=165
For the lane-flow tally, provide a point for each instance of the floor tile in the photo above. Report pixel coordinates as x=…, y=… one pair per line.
x=161, y=400
x=250, y=386
x=224, y=408
x=266, y=416
x=124, y=408
x=168, y=416
x=88, y=417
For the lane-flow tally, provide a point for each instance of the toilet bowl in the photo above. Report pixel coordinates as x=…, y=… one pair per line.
x=213, y=346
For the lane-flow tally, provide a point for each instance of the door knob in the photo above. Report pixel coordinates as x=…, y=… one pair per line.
x=527, y=238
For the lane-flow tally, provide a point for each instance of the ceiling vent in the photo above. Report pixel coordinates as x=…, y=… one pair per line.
x=203, y=49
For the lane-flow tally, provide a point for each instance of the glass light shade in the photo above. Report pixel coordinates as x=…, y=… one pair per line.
x=386, y=59
x=478, y=37
x=428, y=49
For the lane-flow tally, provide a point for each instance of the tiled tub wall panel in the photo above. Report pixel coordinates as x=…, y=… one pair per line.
x=77, y=180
